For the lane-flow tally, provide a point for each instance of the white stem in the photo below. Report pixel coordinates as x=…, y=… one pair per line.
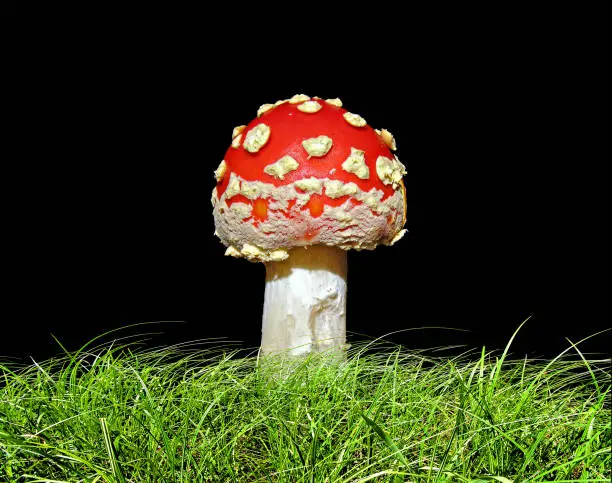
x=305, y=302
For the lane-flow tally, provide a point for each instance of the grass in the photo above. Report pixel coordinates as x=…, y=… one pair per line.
x=191, y=413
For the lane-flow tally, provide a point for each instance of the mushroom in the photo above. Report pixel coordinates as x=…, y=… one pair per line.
x=301, y=184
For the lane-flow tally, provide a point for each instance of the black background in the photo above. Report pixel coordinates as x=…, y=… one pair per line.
x=127, y=123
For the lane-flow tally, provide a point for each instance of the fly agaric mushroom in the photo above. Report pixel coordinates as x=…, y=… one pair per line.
x=300, y=185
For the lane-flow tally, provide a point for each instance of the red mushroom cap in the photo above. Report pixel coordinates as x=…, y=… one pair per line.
x=305, y=172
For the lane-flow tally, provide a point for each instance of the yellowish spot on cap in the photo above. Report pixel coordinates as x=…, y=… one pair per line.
x=232, y=252
x=256, y=138
x=310, y=185
x=318, y=146
x=310, y=107
x=299, y=98
x=334, y=102
x=233, y=187
x=281, y=167
x=388, y=138
x=264, y=108
x=238, y=130
x=398, y=236
x=220, y=171
x=355, y=164
x=390, y=171
x=354, y=119
x=236, y=141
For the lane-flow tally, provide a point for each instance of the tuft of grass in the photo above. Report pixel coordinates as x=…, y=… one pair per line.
x=198, y=412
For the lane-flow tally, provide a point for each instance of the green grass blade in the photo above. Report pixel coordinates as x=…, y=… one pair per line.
x=110, y=450
x=386, y=439
x=498, y=367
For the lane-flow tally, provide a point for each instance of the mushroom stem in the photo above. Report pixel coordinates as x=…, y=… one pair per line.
x=305, y=302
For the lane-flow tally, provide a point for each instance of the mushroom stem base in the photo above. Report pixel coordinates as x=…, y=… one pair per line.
x=305, y=302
